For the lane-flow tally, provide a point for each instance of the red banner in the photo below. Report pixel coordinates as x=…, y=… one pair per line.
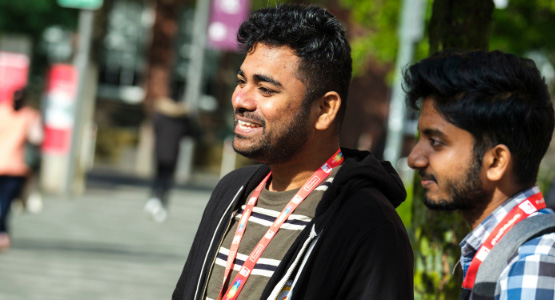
x=61, y=92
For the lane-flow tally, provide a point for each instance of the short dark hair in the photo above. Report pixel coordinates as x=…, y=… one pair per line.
x=497, y=97
x=315, y=36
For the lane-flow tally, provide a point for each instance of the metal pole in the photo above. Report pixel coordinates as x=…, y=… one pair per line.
x=194, y=84
x=80, y=62
x=410, y=31
x=196, y=58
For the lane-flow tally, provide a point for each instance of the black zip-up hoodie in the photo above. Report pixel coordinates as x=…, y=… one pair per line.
x=356, y=247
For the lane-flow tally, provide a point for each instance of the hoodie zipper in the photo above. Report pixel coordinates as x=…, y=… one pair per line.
x=212, y=241
x=293, y=266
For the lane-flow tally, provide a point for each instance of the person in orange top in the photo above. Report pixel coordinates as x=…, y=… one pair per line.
x=18, y=124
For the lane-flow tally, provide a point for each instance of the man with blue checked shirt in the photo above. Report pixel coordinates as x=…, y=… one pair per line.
x=486, y=121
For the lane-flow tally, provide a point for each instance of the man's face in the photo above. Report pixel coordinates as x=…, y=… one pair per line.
x=271, y=124
x=445, y=160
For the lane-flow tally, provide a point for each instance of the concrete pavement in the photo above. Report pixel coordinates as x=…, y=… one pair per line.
x=100, y=246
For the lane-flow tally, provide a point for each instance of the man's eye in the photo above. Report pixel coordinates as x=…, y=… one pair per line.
x=435, y=142
x=266, y=91
x=240, y=81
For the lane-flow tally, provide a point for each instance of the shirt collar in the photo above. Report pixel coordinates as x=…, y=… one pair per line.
x=474, y=239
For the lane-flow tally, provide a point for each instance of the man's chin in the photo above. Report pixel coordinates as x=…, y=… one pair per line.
x=250, y=153
x=441, y=204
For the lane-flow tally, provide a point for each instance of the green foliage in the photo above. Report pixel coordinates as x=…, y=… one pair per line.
x=378, y=31
x=460, y=24
x=33, y=16
x=523, y=26
x=405, y=209
x=376, y=24
x=545, y=177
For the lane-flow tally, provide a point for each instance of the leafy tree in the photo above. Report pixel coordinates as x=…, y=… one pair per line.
x=524, y=25
x=33, y=16
x=374, y=29
x=460, y=24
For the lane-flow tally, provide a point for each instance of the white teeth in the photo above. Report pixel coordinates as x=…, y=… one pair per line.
x=246, y=124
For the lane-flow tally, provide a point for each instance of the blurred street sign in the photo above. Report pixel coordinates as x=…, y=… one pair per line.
x=14, y=68
x=225, y=18
x=81, y=4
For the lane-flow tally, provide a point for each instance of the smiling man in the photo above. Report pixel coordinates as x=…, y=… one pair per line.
x=486, y=121
x=313, y=220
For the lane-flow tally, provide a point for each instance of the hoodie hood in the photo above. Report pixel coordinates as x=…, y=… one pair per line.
x=361, y=169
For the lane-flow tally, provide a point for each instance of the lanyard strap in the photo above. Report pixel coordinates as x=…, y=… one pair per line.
x=517, y=214
x=238, y=283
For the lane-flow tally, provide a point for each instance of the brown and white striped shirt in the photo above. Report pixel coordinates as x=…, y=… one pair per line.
x=267, y=209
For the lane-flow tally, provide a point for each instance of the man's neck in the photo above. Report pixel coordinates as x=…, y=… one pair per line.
x=499, y=196
x=294, y=173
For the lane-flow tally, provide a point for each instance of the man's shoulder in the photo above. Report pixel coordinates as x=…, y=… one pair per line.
x=531, y=272
x=368, y=208
x=537, y=236
x=542, y=245
x=370, y=198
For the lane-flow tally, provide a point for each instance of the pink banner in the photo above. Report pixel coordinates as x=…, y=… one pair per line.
x=14, y=69
x=225, y=18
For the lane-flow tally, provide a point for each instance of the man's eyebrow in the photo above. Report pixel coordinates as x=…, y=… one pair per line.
x=263, y=78
x=260, y=77
x=434, y=132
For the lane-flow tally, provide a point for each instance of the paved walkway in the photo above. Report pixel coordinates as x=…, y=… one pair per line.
x=99, y=246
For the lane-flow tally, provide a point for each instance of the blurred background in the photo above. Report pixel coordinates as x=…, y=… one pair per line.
x=97, y=70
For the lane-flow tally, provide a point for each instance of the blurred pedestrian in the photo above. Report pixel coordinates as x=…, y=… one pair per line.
x=171, y=123
x=19, y=124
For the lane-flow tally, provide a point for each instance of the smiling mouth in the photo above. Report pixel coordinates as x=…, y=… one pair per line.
x=247, y=124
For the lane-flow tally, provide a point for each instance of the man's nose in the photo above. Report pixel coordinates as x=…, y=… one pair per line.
x=417, y=159
x=242, y=98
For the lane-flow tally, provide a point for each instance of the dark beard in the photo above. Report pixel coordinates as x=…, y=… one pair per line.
x=277, y=149
x=464, y=195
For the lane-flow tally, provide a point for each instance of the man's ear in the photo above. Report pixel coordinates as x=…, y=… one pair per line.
x=329, y=105
x=497, y=161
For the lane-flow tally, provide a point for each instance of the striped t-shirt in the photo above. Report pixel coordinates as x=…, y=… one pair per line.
x=267, y=209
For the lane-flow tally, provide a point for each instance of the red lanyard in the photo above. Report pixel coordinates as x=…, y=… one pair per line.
x=517, y=214
x=238, y=283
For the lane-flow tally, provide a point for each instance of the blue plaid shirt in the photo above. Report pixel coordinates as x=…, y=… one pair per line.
x=531, y=272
